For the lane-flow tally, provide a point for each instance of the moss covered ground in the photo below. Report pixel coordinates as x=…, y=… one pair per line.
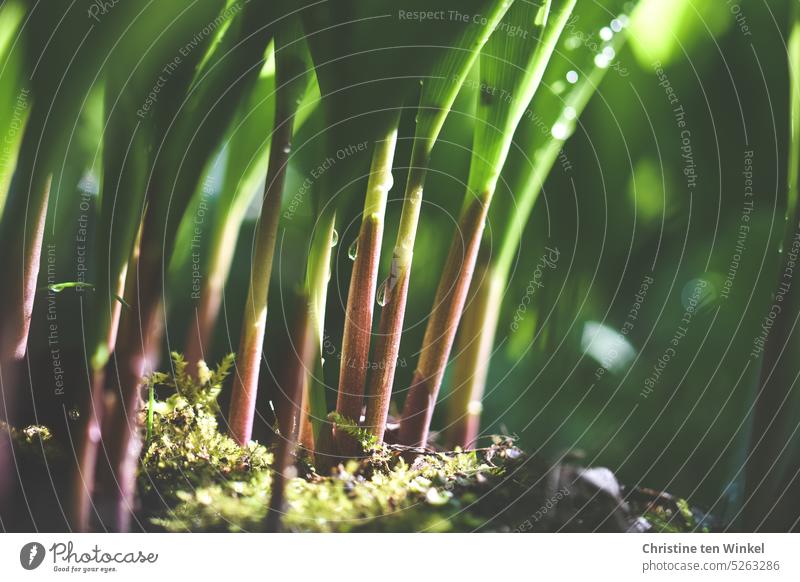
x=193, y=477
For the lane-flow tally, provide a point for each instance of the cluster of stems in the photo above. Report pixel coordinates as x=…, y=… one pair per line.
x=361, y=297
x=124, y=343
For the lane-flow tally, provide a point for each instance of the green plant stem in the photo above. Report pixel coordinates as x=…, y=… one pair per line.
x=128, y=164
x=534, y=158
x=248, y=157
x=291, y=81
x=473, y=354
x=443, y=323
x=363, y=281
x=313, y=422
x=95, y=413
x=498, y=120
x=136, y=356
x=436, y=100
x=387, y=344
x=439, y=92
x=215, y=91
x=774, y=442
x=120, y=214
x=245, y=385
x=201, y=328
x=479, y=325
x=21, y=252
x=293, y=378
x=54, y=51
x=151, y=399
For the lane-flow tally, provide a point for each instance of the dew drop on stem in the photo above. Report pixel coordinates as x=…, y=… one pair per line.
x=352, y=252
x=388, y=182
x=381, y=296
x=334, y=238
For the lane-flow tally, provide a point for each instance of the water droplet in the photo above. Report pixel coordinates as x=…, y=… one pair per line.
x=388, y=182
x=334, y=238
x=287, y=148
x=572, y=77
x=74, y=413
x=609, y=53
x=382, y=295
x=541, y=15
x=570, y=113
x=606, y=33
x=474, y=408
x=601, y=61
x=558, y=87
x=560, y=131
x=352, y=252
x=616, y=25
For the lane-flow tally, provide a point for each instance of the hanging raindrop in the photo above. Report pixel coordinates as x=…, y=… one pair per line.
x=352, y=252
x=382, y=293
x=334, y=238
x=388, y=182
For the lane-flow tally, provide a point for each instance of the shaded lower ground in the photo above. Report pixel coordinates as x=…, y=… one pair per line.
x=194, y=478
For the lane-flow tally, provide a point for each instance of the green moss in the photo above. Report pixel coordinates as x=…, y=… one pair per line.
x=194, y=478
x=202, y=481
x=420, y=496
x=186, y=453
x=672, y=515
x=34, y=441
